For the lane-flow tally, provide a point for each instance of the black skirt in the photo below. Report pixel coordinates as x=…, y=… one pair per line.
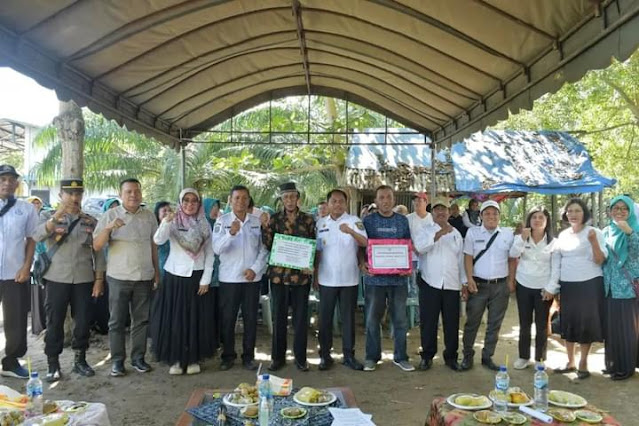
x=183, y=326
x=622, y=336
x=582, y=311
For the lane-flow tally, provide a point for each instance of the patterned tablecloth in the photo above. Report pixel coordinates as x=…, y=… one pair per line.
x=443, y=414
x=206, y=413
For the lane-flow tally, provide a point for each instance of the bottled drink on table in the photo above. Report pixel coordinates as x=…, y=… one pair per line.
x=266, y=401
x=502, y=381
x=34, y=393
x=541, y=388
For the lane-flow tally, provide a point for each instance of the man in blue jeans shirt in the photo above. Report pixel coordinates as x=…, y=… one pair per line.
x=385, y=224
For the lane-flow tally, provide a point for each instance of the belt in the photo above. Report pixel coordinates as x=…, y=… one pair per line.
x=483, y=281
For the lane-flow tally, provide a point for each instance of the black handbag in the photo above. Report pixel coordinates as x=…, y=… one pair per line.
x=43, y=261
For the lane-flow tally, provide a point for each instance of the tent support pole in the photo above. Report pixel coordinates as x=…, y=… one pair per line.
x=553, y=213
x=525, y=209
x=433, y=183
x=594, y=210
x=601, y=209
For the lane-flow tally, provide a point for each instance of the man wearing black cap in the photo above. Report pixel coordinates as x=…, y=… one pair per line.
x=76, y=274
x=289, y=286
x=18, y=220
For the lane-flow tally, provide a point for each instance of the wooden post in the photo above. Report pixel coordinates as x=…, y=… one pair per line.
x=433, y=181
x=525, y=208
x=553, y=213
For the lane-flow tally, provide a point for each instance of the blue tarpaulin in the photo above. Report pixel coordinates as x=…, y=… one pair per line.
x=544, y=162
x=494, y=161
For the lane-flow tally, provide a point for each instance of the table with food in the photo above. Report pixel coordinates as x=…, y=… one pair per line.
x=466, y=409
x=239, y=407
x=54, y=413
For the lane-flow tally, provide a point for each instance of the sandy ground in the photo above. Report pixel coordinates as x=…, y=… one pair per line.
x=393, y=397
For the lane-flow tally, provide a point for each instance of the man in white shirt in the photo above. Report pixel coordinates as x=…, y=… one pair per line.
x=339, y=236
x=440, y=248
x=237, y=239
x=420, y=216
x=18, y=221
x=490, y=274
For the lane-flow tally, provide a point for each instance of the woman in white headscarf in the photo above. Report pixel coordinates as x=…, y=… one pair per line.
x=183, y=323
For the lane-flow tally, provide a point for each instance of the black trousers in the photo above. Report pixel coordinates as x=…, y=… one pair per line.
x=59, y=296
x=232, y=296
x=284, y=296
x=15, y=301
x=432, y=302
x=347, y=299
x=38, y=314
x=529, y=301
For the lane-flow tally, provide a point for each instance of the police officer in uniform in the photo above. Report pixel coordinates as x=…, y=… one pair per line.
x=75, y=276
x=339, y=237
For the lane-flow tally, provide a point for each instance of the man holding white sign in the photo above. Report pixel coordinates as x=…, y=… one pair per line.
x=339, y=236
x=381, y=286
x=290, y=275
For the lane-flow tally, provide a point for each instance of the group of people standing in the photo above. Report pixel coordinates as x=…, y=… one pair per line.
x=163, y=268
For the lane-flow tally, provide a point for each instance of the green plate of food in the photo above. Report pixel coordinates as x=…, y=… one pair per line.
x=293, y=412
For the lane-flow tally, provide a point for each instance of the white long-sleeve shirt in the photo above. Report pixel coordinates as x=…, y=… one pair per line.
x=441, y=262
x=534, y=268
x=572, y=258
x=179, y=263
x=241, y=251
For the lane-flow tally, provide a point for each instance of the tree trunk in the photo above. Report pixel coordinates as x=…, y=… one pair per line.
x=70, y=125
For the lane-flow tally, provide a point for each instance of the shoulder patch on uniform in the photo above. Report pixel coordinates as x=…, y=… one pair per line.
x=217, y=228
x=360, y=225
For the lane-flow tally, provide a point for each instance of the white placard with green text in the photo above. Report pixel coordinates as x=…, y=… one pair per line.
x=292, y=252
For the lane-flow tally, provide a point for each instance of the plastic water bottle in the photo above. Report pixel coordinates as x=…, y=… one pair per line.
x=266, y=401
x=502, y=381
x=541, y=388
x=34, y=393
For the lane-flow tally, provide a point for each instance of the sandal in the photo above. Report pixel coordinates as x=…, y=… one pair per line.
x=583, y=374
x=565, y=370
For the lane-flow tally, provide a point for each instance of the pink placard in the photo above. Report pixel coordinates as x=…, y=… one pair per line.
x=390, y=256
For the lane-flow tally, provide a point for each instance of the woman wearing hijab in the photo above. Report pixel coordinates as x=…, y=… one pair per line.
x=109, y=204
x=622, y=308
x=184, y=314
x=162, y=209
x=212, y=212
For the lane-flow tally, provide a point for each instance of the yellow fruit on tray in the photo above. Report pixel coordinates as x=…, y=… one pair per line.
x=518, y=398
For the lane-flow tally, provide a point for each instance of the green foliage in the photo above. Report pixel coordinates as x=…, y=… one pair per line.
x=602, y=110
x=213, y=166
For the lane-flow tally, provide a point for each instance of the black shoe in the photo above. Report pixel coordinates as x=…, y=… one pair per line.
x=302, y=366
x=80, y=365
x=621, y=376
x=276, y=365
x=326, y=363
x=453, y=365
x=141, y=366
x=425, y=364
x=117, y=369
x=226, y=365
x=53, y=374
x=352, y=363
x=467, y=363
x=250, y=365
x=488, y=363
x=565, y=370
x=583, y=374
